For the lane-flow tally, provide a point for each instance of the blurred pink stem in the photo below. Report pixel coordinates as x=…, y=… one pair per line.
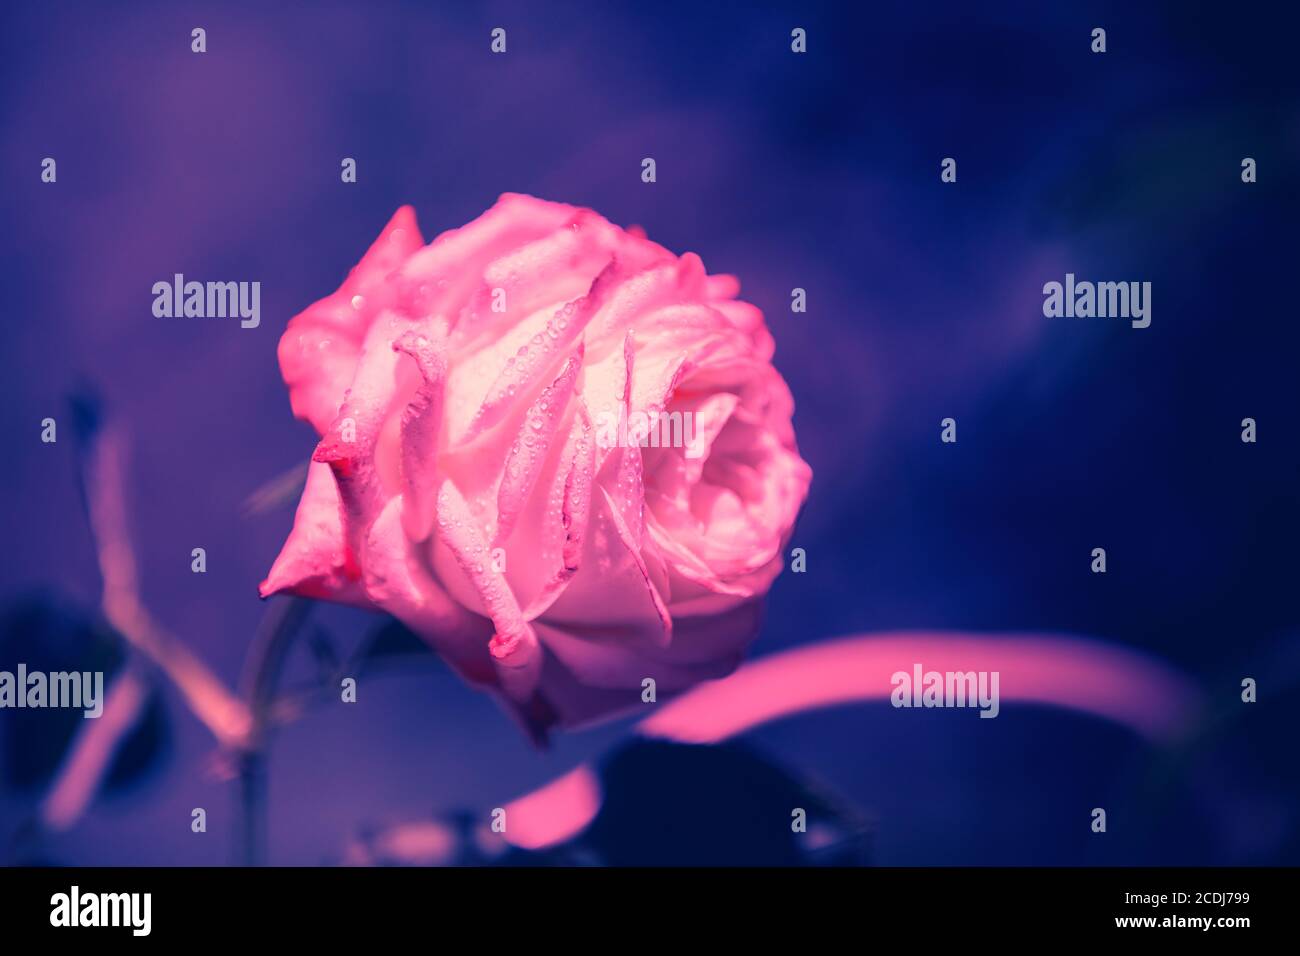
x=1076, y=673
x=223, y=713
x=91, y=753
x=1081, y=674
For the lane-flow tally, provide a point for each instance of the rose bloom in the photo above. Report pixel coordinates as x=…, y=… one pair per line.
x=486, y=476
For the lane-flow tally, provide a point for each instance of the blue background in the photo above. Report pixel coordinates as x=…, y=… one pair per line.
x=924, y=301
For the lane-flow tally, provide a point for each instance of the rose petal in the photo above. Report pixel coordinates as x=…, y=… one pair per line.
x=421, y=421
x=319, y=348
x=314, y=561
x=554, y=269
x=349, y=445
x=528, y=453
x=442, y=275
x=397, y=582
x=614, y=592
x=572, y=490
x=514, y=647
x=634, y=294
x=533, y=360
x=628, y=491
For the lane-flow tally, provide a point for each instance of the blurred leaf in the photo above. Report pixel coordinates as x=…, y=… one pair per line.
x=671, y=804
x=48, y=636
x=282, y=490
x=392, y=639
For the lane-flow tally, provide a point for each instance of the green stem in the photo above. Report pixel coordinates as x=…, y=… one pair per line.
x=261, y=680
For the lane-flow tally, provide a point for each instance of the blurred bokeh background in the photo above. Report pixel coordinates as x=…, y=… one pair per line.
x=819, y=171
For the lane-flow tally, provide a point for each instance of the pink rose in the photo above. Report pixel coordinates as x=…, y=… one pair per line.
x=549, y=446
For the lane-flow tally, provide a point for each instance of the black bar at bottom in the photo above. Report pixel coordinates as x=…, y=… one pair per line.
x=212, y=906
